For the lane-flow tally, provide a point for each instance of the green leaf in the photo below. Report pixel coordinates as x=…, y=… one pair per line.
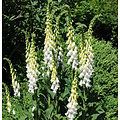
x=66, y=91
x=78, y=116
x=12, y=17
x=21, y=112
x=49, y=1
x=51, y=93
x=60, y=98
x=34, y=3
x=59, y=0
x=27, y=113
x=100, y=110
x=48, y=111
x=18, y=107
x=6, y=16
x=94, y=116
x=58, y=116
x=80, y=93
x=39, y=112
x=23, y=117
x=81, y=25
x=37, y=18
x=90, y=104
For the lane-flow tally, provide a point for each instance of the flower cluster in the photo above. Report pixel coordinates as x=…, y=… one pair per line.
x=32, y=65
x=15, y=84
x=72, y=49
x=49, y=52
x=86, y=64
x=59, y=57
x=54, y=79
x=49, y=43
x=8, y=102
x=9, y=106
x=72, y=105
x=59, y=50
x=86, y=57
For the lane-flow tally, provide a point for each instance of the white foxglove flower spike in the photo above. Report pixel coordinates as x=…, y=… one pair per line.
x=86, y=64
x=50, y=53
x=72, y=49
x=72, y=105
x=15, y=84
x=8, y=97
x=32, y=66
x=49, y=43
x=54, y=79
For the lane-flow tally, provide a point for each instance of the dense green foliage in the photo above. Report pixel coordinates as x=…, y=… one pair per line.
x=106, y=77
x=107, y=27
x=100, y=102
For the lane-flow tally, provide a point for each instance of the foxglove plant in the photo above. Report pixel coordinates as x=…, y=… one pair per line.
x=72, y=49
x=8, y=101
x=59, y=50
x=86, y=65
x=73, y=54
x=86, y=57
x=54, y=79
x=72, y=105
x=9, y=106
x=49, y=51
x=15, y=84
x=49, y=43
x=32, y=65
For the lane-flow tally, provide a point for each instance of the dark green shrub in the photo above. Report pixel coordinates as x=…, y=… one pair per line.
x=107, y=26
x=105, y=79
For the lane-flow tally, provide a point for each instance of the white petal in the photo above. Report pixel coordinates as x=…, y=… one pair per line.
x=81, y=75
x=13, y=112
x=69, y=105
x=33, y=108
x=71, y=116
x=88, y=85
x=8, y=109
x=70, y=111
x=43, y=74
x=18, y=94
x=53, y=86
x=81, y=83
x=48, y=73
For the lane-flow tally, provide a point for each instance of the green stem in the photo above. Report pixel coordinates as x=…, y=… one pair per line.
x=56, y=105
x=36, y=107
x=48, y=101
x=72, y=74
x=84, y=106
x=32, y=118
